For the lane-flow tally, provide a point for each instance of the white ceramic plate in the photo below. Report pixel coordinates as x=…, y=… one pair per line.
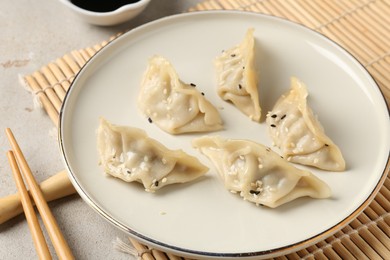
x=202, y=219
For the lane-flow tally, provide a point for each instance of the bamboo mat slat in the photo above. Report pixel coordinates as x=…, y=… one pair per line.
x=360, y=26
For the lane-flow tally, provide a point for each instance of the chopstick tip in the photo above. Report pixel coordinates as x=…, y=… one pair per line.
x=8, y=131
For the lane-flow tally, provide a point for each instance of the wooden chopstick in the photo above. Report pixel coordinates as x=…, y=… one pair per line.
x=32, y=220
x=60, y=245
x=55, y=187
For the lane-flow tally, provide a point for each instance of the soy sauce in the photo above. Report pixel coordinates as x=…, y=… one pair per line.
x=102, y=6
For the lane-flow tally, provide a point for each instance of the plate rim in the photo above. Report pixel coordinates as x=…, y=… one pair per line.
x=180, y=250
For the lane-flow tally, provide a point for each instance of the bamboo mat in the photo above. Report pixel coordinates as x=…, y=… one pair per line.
x=361, y=27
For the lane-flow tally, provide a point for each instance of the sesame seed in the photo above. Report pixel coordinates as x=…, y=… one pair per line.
x=273, y=125
x=233, y=55
x=150, y=120
x=254, y=192
x=192, y=85
x=164, y=180
x=202, y=94
x=283, y=117
x=274, y=116
x=239, y=86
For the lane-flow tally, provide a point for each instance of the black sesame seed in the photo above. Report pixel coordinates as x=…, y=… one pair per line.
x=239, y=86
x=192, y=85
x=254, y=192
x=243, y=67
x=233, y=55
x=272, y=125
x=150, y=120
x=156, y=183
x=202, y=94
x=283, y=117
x=128, y=171
x=274, y=116
x=326, y=144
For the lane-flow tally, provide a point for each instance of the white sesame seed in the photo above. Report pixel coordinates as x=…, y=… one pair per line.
x=122, y=158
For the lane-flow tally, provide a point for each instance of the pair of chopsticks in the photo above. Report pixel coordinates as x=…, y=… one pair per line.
x=19, y=164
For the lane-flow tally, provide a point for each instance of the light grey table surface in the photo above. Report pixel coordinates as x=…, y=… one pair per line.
x=34, y=33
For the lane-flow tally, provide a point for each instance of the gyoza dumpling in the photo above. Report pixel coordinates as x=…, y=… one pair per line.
x=299, y=135
x=258, y=174
x=172, y=105
x=129, y=154
x=237, y=77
